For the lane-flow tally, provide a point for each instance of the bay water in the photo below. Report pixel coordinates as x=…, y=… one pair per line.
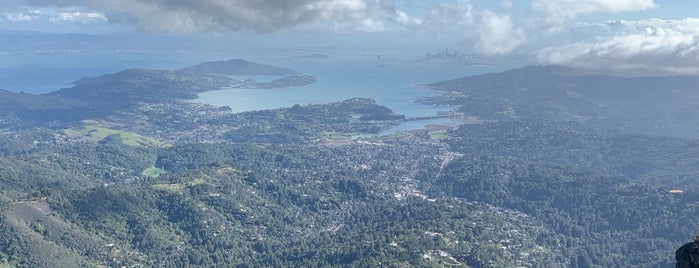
x=395, y=82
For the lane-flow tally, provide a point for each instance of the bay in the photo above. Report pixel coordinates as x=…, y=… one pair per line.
x=394, y=82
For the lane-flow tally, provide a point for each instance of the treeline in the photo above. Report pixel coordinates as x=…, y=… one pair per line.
x=268, y=205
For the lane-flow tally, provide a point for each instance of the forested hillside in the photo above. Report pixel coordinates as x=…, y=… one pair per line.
x=177, y=184
x=609, y=197
x=664, y=105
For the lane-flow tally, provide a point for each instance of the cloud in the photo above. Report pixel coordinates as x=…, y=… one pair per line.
x=669, y=46
x=78, y=17
x=575, y=7
x=232, y=15
x=558, y=13
x=490, y=29
x=498, y=35
x=489, y=32
x=447, y=16
x=404, y=19
x=23, y=16
x=368, y=16
x=492, y=33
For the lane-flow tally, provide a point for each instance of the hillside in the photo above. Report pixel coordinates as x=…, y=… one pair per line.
x=104, y=96
x=127, y=87
x=569, y=196
x=563, y=173
x=237, y=67
x=26, y=110
x=651, y=105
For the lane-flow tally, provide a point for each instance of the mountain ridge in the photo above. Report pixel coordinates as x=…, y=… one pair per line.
x=651, y=105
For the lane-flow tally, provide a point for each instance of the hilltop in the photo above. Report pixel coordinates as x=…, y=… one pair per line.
x=237, y=67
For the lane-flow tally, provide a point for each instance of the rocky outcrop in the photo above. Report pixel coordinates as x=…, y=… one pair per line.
x=687, y=256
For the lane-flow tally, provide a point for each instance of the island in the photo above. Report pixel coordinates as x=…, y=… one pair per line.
x=316, y=56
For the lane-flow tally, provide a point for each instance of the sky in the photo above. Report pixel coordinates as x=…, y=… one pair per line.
x=655, y=35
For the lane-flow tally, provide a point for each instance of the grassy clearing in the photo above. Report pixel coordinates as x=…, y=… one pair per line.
x=153, y=172
x=134, y=139
x=438, y=135
x=94, y=132
x=332, y=135
x=227, y=170
x=169, y=186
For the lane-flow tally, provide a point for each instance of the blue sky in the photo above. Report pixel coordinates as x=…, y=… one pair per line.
x=627, y=34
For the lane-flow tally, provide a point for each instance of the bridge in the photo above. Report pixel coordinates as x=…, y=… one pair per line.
x=449, y=115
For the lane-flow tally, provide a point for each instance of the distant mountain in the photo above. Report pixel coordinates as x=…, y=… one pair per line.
x=237, y=67
x=286, y=81
x=314, y=56
x=652, y=105
x=19, y=32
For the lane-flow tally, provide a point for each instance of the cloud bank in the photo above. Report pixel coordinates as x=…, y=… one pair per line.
x=23, y=16
x=558, y=13
x=78, y=17
x=491, y=32
x=229, y=15
x=488, y=31
x=498, y=35
x=546, y=28
x=669, y=46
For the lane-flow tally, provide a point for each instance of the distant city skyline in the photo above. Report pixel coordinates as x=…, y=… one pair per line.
x=628, y=34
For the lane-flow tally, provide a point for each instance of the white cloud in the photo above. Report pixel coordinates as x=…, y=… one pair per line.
x=498, y=35
x=358, y=16
x=404, y=19
x=558, y=13
x=447, y=16
x=23, y=16
x=670, y=46
x=78, y=17
x=492, y=33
